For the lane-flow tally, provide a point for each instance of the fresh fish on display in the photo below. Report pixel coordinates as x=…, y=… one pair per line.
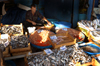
x=11, y=29
x=19, y=41
x=69, y=57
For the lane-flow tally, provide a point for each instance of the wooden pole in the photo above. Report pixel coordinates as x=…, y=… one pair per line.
x=1, y=58
x=72, y=13
x=92, y=9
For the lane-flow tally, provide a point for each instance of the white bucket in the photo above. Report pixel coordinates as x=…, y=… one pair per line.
x=31, y=29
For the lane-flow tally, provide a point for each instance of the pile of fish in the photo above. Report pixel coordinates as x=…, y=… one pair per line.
x=74, y=33
x=69, y=57
x=95, y=33
x=93, y=27
x=61, y=39
x=95, y=36
x=88, y=23
x=20, y=41
x=2, y=44
x=11, y=29
x=40, y=37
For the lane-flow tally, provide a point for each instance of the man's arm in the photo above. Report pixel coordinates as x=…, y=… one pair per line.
x=43, y=18
x=31, y=21
x=46, y=20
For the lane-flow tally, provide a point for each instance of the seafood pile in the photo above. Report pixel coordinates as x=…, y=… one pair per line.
x=20, y=41
x=88, y=23
x=40, y=37
x=11, y=29
x=91, y=25
x=74, y=33
x=60, y=39
x=95, y=33
x=95, y=36
x=69, y=57
x=91, y=29
x=3, y=44
x=90, y=49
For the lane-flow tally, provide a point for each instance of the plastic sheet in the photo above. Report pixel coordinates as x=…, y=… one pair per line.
x=61, y=24
x=14, y=15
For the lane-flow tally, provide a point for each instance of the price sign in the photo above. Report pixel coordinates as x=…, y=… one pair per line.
x=63, y=48
x=48, y=51
x=98, y=57
x=64, y=29
x=4, y=36
x=53, y=37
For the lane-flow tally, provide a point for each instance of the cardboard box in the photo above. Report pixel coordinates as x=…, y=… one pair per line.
x=67, y=41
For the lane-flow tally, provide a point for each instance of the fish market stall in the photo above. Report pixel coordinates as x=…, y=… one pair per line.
x=62, y=47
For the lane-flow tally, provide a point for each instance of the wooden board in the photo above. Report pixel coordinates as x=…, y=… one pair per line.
x=6, y=51
x=67, y=42
x=21, y=53
x=20, y=49
x=26, y=62
x=19, y=25
x=8, y=55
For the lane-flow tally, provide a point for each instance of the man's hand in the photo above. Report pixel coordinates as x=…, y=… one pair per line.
x=33, y=23
x=49, y=23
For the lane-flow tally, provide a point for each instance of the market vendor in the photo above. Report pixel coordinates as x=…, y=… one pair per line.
x=32, y=18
